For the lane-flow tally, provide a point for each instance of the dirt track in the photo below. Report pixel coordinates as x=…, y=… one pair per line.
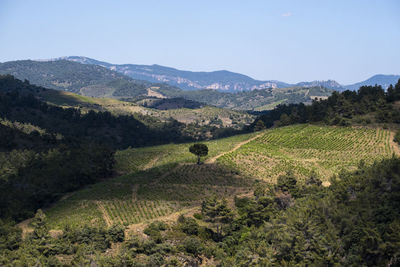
x=213, y=159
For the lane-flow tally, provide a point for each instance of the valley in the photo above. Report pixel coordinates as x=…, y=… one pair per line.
x=113, y=180
x=199, y=133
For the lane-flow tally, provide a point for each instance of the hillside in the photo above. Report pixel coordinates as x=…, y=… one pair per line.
x=232, y=166
x=263, y=187
x=89, y=80
x=258, y=100
x=154, y=111
x=39, y=138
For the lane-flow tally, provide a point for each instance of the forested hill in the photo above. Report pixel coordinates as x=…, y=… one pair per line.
x=91, y=80
x=368, y=105
x=20, y=105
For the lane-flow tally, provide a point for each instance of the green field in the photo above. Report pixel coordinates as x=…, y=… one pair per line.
x=158, y=181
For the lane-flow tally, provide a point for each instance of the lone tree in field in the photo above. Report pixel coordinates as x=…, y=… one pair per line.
x=200, y=150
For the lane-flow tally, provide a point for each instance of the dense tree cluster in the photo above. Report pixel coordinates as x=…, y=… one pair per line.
x=368, y=105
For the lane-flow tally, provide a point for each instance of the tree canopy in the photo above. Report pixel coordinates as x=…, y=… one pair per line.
x=200, y=150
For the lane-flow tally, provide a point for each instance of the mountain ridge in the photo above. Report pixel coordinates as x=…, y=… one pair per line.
x=221, y=80
x=381, y=79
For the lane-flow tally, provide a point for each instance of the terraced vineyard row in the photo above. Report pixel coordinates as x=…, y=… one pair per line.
x=135, y=199
x=201, y=174
x=131, y=212
x=304, y=148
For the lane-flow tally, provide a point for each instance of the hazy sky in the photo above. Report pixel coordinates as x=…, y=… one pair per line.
x=291, y=41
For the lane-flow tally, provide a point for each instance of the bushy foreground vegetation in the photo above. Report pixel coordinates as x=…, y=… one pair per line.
x=354, y=222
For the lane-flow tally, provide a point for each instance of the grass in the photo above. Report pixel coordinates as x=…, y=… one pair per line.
x=161, y=180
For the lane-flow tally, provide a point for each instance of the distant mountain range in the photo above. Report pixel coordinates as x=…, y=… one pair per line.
x=187, y=80
x=224, y=81
x=101, y=81
x=223, y=89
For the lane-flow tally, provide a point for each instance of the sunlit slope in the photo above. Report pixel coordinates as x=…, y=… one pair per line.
x=157, y=181
x=202, y=116
x=161, y=181
x=304, y=148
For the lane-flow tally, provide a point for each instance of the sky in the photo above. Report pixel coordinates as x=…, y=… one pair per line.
x=291, y=41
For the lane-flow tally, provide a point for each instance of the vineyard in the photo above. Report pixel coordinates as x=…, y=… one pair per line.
x=135, y=159
x=162, y=180
x=306, y=148
x=155, y=182
x=146, y=195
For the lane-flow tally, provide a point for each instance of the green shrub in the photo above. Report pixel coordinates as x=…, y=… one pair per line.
x=188, y=226
x=287, y=183
x=116, y=233
x=198, y=216
x=154, y=230
x=193, y=246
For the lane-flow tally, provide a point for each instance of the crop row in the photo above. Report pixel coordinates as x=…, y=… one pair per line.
x=130, y=212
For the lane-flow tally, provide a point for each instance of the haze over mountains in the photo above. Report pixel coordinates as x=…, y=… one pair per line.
x=222, y=80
